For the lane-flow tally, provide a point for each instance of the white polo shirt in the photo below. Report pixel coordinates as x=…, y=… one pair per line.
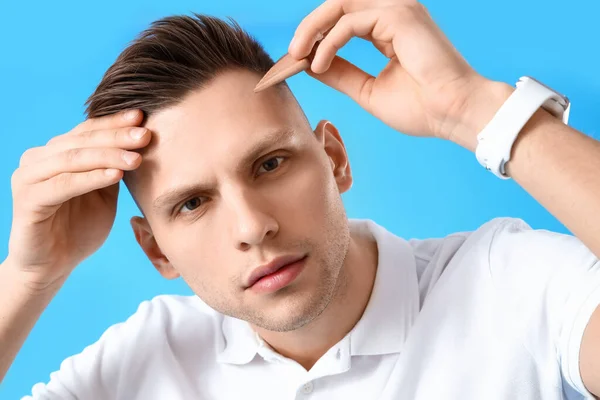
x=497, y=313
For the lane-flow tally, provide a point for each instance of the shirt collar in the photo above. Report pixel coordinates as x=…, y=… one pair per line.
x=394, y=303
x=241, y=342
x=387, y=319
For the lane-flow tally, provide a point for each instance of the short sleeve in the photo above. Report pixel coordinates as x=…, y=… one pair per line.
x=560, y=275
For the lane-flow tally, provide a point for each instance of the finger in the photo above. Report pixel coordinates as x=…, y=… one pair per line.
x=66, y=186
x=348, y=79
x=385, y=48
x=31, y=155
x=80, y=160
x=423, y=49
x=314, y=26
x=126, y=138
x=116, y=120
x=355, y=24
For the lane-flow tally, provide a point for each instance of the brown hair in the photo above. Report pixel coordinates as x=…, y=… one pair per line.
x=173, y=57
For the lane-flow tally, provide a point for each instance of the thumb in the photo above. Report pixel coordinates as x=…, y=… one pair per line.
x=347, y=78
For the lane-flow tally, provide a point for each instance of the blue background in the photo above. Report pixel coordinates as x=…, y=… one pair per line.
x=53, y=54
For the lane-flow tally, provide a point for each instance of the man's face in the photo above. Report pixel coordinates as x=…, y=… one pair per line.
x=234, y=179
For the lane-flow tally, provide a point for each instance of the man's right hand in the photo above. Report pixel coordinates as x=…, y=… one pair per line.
x=65, y=196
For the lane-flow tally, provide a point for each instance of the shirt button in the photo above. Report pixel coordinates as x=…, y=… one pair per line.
x=307, y=388
x=338, y=354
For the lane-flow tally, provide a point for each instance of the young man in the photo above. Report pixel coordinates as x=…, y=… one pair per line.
x=241, y=198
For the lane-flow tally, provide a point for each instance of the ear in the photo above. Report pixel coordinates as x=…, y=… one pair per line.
x=147, y=241
x=329, y=137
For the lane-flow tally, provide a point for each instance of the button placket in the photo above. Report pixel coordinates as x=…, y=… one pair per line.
x=307, y=388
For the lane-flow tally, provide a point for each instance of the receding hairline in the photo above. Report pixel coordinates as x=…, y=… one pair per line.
x=282, y=89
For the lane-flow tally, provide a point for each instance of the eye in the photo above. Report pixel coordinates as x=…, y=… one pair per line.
x=191, y=204
x=271, y=164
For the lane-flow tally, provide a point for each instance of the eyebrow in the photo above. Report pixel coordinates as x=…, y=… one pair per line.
x=271, y=139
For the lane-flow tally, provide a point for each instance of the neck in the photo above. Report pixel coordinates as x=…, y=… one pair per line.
x=357, y=276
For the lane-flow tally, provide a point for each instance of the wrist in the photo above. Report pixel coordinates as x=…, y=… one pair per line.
x=478, y=110
x=28, y=280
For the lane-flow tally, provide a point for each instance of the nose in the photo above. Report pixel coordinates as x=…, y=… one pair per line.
x=253, y=221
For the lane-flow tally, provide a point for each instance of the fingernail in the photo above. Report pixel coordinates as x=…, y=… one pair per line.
x=131, y=114
x=130, y=157
x=292, y=43
x=137, y=133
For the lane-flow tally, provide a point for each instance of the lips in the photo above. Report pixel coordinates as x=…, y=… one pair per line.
x=272, y=267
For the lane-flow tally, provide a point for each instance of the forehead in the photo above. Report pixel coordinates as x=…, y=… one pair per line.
x=211, y=127
x=226, y=107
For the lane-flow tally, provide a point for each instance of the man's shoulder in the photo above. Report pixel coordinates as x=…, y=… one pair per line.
x=167, y=317
x=505, y=249
x=508, y=244
x=498, y=243
x=176, y=305
x=445, y=247
x=163, y=330
x=168, y=309
x=502, y=236
x=514, y=242
x=497, y=234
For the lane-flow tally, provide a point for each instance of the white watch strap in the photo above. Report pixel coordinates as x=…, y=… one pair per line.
x=496, y=140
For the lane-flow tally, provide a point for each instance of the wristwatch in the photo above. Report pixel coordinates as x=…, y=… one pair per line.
x=495, y=141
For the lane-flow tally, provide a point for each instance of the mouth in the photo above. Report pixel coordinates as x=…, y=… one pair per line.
x=276, y=274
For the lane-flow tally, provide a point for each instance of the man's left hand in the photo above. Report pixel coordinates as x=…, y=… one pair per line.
x=426, y=89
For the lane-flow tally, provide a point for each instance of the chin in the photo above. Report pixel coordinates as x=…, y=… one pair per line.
x=288, y=313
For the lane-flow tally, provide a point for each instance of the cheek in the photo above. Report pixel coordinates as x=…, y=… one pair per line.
x=201, y=266
x=192, y=255
x=311, y=195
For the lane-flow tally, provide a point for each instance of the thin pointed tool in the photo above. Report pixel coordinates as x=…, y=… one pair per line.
x=286, y=67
